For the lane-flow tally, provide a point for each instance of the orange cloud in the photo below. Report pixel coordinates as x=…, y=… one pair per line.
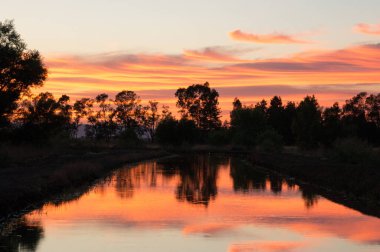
x=275, y=246
x=274, y=38
x=370, y=29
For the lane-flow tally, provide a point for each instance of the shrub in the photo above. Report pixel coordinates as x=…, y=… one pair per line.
x=219, y=137
x=270, y=141
x=128, y=138
x=352, y=150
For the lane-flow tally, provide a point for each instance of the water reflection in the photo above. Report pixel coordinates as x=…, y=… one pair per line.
x=195, y=203
x=246, y=179
x=21, y=235
x=198, y=180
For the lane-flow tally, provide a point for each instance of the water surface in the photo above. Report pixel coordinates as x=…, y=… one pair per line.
x=194, y=203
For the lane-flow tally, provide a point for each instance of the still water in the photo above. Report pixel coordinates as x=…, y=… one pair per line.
x=194, y=203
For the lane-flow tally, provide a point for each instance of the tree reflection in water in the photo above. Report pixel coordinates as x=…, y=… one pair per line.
x=197, y=175
x=21, y=235
x=310, y=197
x=246, y=179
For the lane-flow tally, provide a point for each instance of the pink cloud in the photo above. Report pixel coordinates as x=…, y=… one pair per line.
x=273, y=38
x=370, y=29
x=216, y=54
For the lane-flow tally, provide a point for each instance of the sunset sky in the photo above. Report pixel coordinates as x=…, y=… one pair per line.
x=246, y=48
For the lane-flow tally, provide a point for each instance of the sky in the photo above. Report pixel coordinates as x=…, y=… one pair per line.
x=249, y=49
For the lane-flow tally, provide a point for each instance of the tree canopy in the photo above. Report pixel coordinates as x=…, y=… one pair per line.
x=200, y=104
x=20, y=70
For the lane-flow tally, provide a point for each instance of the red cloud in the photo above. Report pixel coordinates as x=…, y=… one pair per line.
x=368, y=29
x=274, y=38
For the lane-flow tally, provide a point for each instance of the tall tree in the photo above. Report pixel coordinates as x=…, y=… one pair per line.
x=44, y=116
x=200, y=104
x=127, y=109
x=354, y=116
x=150, y=119
x=331, y=124
x=20, y=69
x=247, y=123
x=276, y=114
x=81, y=109
x=307, y=123
x=102, y=125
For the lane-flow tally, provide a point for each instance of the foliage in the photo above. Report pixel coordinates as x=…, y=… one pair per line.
x=307, y=123
x=166, y=132
x=331, y=123
x=352, y=150
x=270, y=141
x=219, y=137
x=199, y=103
x=43, y=117
x=247, y=123
x=20, y=70
x=173, y=132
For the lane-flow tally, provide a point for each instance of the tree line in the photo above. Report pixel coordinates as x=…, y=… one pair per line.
x=40, y=118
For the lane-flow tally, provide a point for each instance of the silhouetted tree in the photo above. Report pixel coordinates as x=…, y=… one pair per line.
x=262, y=105
x=127, y=109
x=236, y=104
x=307, y=123
x=331, y=124
x=372, y=106
x=167, y=131
x=81, y=109
x=101, y=124
x=150, y=119
x=247, y=123
x=276, y=115
x=289, y=116
x=200, y=104
x=20, y=70
x=43, y=116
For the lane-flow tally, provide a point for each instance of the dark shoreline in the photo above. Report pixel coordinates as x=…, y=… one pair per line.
x=59, y=182
x=327, y=178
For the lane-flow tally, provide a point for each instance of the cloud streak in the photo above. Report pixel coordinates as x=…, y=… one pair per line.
x=369, y=29
x=216, y=54
x=274, y=246
x=273, y=38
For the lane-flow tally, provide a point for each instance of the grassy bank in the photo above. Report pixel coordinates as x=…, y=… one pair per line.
x=29, y=176
x=356, y=185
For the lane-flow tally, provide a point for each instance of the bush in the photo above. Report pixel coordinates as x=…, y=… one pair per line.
x=353, y=150
x=219, y=137
x=270, y=141
x=128, y=138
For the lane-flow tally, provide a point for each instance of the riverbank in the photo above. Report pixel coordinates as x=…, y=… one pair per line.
x=31, y=176
x=354, y=185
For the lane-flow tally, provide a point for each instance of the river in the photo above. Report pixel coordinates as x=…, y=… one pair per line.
x=193, y=203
